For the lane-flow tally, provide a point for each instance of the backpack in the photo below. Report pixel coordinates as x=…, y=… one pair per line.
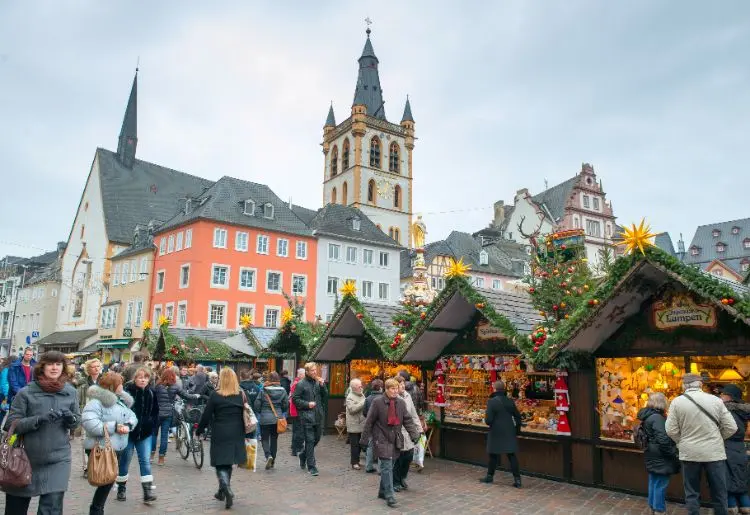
x=640, y=437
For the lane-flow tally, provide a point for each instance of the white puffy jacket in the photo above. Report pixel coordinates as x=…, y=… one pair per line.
x=104, y=407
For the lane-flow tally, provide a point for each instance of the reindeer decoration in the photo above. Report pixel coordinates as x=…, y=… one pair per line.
x=533, y=236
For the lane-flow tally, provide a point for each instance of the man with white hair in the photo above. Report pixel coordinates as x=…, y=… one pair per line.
x=355, y=418
x=199, y=380
x=699, y=423
x=296, y=430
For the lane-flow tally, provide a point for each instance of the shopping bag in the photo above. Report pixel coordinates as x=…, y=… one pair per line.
x=251, y=449
x=419, y=451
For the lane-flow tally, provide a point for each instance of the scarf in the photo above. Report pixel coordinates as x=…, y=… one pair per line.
x=392, y=417
x=51, y=385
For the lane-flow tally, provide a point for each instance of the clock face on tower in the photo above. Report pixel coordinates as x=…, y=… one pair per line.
x=385, y=188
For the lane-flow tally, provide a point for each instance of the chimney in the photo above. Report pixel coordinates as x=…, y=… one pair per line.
x=290, y=203
x=499, y=218
x=61, y=248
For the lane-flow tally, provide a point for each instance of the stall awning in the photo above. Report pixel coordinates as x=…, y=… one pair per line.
x=114, y=344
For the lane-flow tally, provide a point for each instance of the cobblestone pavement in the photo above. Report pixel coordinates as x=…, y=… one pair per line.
x=443, y=487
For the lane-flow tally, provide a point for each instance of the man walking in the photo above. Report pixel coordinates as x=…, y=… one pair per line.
x=699, y=423
x=376, y=391
x=505, y=423
x=21, y=373
x=309, y=398
x=199, y=380
x=297, y=437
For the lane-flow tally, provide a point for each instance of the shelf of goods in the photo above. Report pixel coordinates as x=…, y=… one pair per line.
x=368, y=369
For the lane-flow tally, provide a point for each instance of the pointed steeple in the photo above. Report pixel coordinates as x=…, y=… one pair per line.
x=368, y=92
x=331, y=120
x=407, y=117
x=128, y=140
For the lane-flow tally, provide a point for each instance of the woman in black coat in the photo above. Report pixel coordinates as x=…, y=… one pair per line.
x=224, y=413
x=737, y=473
x=505, y=423
x=661, y=452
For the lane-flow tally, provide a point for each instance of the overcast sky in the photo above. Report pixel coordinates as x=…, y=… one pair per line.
x=655, y=94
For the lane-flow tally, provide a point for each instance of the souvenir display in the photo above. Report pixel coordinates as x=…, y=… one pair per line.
x=368, y=369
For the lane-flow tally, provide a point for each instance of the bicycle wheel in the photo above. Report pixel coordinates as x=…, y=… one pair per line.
x=183, y=440
x=198, y=451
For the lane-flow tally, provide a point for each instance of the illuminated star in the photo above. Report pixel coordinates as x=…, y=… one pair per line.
x=349, y=288
x=638, y=237
x=287, y=315
x=457, y=268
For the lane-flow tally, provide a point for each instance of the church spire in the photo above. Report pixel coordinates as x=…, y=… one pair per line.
x=368, y=92
x=128, y=140
x=407, y=117
x=331, y=120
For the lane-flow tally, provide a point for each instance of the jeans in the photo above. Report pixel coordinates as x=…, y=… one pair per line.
x=386, y=477
x=717, y=484
x=401, y=467
x=369, y=462
x=49, y=504
x=298, y=437
x=269, y=439
x=657, y=491
x=143, y=448
x=494, y=461
x=164, y=424
x=738, y=501
x=354, y=447
x=311, y=439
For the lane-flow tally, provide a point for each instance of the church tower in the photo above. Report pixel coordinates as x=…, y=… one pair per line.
x=368, y=159
x=128, y=140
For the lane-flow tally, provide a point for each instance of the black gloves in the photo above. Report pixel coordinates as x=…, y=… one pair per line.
x=49, y=418
x=69, y=418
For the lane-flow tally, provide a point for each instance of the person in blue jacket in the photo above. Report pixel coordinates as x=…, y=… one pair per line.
x=4, y=385
x=21, y=373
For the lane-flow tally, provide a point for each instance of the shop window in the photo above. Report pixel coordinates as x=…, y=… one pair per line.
x=338, y=383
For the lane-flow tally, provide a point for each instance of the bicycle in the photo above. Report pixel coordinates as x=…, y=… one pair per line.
x=186, y=441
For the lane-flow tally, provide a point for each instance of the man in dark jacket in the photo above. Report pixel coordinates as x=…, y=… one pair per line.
x=376, y=391
x=310, y=397
x=505, y=423
x=738, y=499
x=385, y=418
x=139, y=360
x=285, y=382
x=199, y=380
x=21, y=373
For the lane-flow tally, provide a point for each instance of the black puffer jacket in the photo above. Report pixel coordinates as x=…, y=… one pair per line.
x=166, y=395
x=146, y=409
x=737, y=473
x=310, y=390
x=661, y=452
x=262, y=408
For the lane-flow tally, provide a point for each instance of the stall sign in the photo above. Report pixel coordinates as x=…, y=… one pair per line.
x=486, y=331
x=683, y=310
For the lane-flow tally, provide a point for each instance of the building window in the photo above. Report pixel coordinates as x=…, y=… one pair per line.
x=282, y=247
x=351, y=254
x=484, y=258
x=179, y=241
x=334, y=161
x=586, y=203
x=366, y=289
x=345, y=155
x=162, y=246
x=397, y=197
x=383, y=291
x=116, y=275
x=133, y=270
x=217, y=314
x=144, y=269
x=268, y=211
x=188, y=238
x=356, y=224
x=220, y=238
x=716, y=233
x=735, y=230
x=160, y=278
x=333, y=196
x=125, y=272
x=240, y=241
x=576, y=222
x=333, y=286
x=334, y=252
x=390, y=232
x=185, y=276
x=299, y=284
x=83, y=231
x=438, y=283
x=129, y=315
x=249, y=208
x=479, y=282
x=220, y=276
x=746, y=243
x=344, y=194
x=170, y=313
x=375, y=152
x=497, y=284
x=157, y=315
x=301, y=250
x=247, y=279
x=596, y=203
x=273, y=282
x=170, y=244
x=384, y=259
x=717, y=272
x=272, y=317
x=394, y=161
x=245, y=310
x=609, y=230
x=397, y=234
x=367, y=257
x=371, y=191
x=181, y=314
x=593, y=228
x=694, y=251
x=720, y=247
x=262, y=244
x=138, y=313
x=745, y=266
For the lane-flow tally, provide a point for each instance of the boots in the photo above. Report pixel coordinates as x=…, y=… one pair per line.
x=487, y=479
x=96, y=510
x=148, y=492
x=225, y=479
x=161, y=460
x=121, y=491
x=745, y=511
x=517, y=481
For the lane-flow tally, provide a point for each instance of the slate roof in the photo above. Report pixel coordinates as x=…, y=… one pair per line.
x=517, y=307
x=225, y=200
x=331, y=119
x=556, y=197
x=735, y=251
x=406, y=256
x=304, y=214
x=503, y=257
x=336, y=220
x=368, y=91
x=60, y=337
x=407, y=117
x=143, y=242
x=664, y=241
x=138, y=195
x=382, y=314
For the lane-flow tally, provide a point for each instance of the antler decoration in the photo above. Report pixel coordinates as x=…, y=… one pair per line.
x=531, y=237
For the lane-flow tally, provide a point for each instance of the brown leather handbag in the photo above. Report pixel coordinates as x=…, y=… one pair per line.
x=15, y=468
x=280, y=422
x=103, y=465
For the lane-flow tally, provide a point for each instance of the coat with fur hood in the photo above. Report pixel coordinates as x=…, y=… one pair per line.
x=106, y=408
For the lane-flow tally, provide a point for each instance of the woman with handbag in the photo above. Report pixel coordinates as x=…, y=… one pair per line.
x=270, y=405
x=108, y=409
x=167, y=389
x=224, y=412
x=43, y=413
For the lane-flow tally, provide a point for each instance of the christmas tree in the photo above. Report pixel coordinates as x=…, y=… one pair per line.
x=413, y=309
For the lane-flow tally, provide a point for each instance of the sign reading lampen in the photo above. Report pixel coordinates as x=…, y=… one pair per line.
x=682, y=311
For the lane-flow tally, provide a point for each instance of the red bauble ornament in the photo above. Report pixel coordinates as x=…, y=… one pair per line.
x=423, y=315
x=570, y=270
x=360, y=316
x=536, y=349
x=730, y=301
x=563, y=284
x=394, y=345
x=555, y=307
x=531, y=290
x=591, y=302
x=563, y=247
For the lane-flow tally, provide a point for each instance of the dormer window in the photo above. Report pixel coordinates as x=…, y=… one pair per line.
x=735, y=230
x=694, y=251
x=716, y=233
x=268, y=211
x=745, y=265
x=356, y=224
x=746, y=243
x=720, y=247
x=249, y=208
x=484, y=258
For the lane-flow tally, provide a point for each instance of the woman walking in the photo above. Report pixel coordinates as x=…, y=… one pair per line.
x=224, y=414
x=108, y=406
x=660, y=453
x=146, y=409
x=167, y=389
x=44, y=412
x=737, y=473
x=402, y=463
x=270, y=405
x=355, y=418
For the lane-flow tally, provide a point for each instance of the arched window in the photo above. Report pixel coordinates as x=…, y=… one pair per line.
x=397, y=235
x=345, y=155
x=397, y=197
x=371, y=191
x=333, y=196
x=394, y=161
x=375, y=152
x=335, y=161
x=390, y=232
x=344, y=194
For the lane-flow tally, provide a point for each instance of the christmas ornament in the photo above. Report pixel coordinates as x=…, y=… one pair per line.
x=423, y=315
x=457, y=268
x=586, y=287
x=531, y=290
x=246, y=320
x=147, y=325
x=479, y=305
x=638, y=237
x=163, y=320
x=360, y=316
x=563, y=305
x=349, y=288
x=286, y=316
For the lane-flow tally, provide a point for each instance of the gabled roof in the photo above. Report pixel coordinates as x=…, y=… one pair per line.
x=504, y=257
x=335, y=220
x=555, y=198
x=664, y=241
x=224, y=202
x=734, y=251
x=138, y=195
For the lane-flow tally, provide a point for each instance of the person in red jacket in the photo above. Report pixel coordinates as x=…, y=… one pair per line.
x=296, y=430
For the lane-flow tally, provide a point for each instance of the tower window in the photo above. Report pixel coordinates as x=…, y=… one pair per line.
x=344, y=193
x=335, y=161
x=397, y=197
x=393, y=158
x=397, y=235
x=371, y=191
x=345, y=155
x=333, y=196
x=375, y=152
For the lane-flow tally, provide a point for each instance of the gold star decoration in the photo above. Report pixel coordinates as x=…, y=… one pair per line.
x=163, y=320
x=147, y=324
x=637, y=237
x=457, y=269
x=349, y=288
x=246, y=320
x=287, y=316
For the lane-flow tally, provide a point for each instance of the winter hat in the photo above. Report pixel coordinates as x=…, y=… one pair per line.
x=733, y=391
x=691, y=378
